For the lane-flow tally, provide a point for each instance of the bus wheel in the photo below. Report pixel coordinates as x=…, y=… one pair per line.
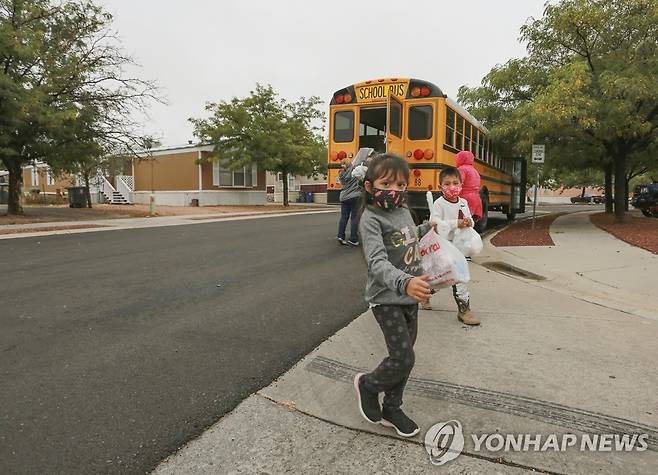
x=511, y=217
x=481, y=225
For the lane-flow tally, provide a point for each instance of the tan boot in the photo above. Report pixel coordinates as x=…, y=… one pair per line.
x=465, y=315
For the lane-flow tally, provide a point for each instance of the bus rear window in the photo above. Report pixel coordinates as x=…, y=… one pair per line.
x=344, y=126
x=420, y=123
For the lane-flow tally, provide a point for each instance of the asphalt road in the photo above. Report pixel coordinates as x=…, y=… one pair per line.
x=118, y=347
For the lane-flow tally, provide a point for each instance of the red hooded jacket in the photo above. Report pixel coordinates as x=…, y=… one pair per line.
x=470, y=182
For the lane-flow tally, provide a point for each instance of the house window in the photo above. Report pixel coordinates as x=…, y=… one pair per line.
x=50, y=178
x=292, y=186
x=244, y=177
x=35, y=177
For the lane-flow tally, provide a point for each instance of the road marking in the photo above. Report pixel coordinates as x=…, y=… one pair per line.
x=535, y=409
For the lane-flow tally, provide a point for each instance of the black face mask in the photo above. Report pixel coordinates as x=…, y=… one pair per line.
x=387, y=199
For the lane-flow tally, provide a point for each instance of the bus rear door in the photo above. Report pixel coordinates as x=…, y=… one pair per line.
x=394, y=124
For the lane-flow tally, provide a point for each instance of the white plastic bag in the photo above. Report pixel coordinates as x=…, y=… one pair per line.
x=442, y=261
x=468, y=241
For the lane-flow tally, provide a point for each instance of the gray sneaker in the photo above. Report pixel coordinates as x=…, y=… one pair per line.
x=342, y=241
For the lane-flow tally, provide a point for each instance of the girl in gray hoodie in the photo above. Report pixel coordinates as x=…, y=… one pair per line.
x=394, y=287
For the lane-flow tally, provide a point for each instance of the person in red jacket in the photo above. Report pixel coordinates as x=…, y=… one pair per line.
x=470, y=183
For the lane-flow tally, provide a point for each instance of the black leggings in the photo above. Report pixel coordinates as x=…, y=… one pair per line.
x=399, y=323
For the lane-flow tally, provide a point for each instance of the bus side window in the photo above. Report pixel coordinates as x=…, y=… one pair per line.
x=344, y=126
x=420, y=122
x=450, y=127
x=467, y=137
x=460, y=133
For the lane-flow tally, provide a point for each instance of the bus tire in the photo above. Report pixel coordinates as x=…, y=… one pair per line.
x=481, y=225
x=511, y=217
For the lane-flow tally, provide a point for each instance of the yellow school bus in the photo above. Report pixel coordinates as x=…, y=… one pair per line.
x=414, y=119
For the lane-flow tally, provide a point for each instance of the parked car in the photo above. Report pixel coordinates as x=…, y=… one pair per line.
x=645, y=197
x=587, y=199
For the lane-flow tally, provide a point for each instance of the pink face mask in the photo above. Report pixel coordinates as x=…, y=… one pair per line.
x=451, y=192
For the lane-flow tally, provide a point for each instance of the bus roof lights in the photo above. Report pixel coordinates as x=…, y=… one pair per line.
x=415, y=92
x=347, y=98
x=339, y=98
x=419, y=154
x=425, y=91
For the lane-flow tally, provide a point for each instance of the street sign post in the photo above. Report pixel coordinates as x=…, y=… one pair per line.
x=538, y=154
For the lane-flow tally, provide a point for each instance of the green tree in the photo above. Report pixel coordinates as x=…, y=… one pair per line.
x=56, y=58
x=589, y=79
x=279, y=136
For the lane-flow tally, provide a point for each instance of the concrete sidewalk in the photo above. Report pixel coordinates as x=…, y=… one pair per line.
x=542, y=362
x=113, y=224
x=589, y=264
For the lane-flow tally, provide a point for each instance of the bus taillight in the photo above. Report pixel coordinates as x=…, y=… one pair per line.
x=419, y=154
x=416, y=172
x=428, y=154
x=342, y=155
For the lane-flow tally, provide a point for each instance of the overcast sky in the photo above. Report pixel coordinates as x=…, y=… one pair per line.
x=205, y=50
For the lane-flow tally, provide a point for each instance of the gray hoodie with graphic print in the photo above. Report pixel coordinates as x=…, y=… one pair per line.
x=390, y=246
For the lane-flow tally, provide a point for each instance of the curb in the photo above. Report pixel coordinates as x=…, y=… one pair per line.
x=180, y=222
